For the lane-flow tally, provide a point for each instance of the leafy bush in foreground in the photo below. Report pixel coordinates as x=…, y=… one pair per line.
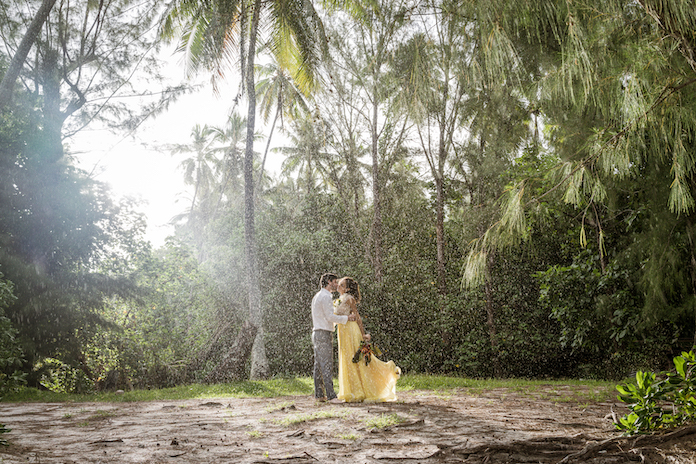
x=660, y=401
x=11, y=355
x=3, y=429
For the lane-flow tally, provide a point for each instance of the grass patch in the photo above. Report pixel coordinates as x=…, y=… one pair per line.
x=245, y=389
x=100, y=414
x=348, y=436
x=561, y=391
x=95, y=416
x=318, y=415
x=586, y=391
x=383, y=421
x=280, y=406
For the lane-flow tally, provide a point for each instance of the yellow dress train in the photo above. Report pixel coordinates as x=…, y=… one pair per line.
x=357, y=382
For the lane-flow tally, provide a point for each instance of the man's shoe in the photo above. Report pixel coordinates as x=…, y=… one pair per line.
x=336, y=401
x=321, y=400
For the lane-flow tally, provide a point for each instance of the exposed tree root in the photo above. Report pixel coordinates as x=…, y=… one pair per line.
x=564, y=450
x=639, y=448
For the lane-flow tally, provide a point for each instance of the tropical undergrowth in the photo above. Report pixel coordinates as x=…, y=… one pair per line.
x=660, y=401
x=3, y=429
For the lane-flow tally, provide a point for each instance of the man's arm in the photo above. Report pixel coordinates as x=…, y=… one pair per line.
x=327, y=308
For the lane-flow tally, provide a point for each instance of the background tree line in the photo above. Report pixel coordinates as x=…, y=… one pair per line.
x=512, y=185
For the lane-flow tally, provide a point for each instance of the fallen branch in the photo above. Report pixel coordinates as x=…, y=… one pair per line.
x=115, y=440
x=302, y=457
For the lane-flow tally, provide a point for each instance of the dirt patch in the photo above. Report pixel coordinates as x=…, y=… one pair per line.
x=422, y=427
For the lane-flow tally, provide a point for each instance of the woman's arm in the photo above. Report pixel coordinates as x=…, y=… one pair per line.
x=354, y=310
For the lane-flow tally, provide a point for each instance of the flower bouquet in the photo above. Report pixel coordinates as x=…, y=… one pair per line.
x=366, y=351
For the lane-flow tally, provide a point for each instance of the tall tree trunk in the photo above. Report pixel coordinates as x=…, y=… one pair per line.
x=268, y=144
x=444, y=135
x=440, y=235
x=376, y=195
x=490, y=312
x=445, y=334
x=52, y=115
x=259, y=363
x=692, y=250
x=12, y=73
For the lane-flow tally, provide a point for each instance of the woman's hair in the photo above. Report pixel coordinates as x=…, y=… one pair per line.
x=352, y=288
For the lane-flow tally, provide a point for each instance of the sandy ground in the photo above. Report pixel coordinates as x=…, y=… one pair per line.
x=500, y=426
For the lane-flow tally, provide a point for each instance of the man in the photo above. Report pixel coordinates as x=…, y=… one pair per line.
x=324, y=320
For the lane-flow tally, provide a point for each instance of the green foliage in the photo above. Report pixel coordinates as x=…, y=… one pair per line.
x=592, y=276
x=11, y=356
x=296, y=245
x=599, y=317
x=569, y=291
x=3, y=430
x=60, y=377
x=615, y=98
x=660, y=401
x=153, y=341
x=66, y=244
x=528, y=339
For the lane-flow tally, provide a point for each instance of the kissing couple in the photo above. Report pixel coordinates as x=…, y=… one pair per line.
x=361, y=376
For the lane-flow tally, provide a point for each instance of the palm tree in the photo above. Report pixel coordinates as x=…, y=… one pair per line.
x=199, y=171
x=199, y=168
x=306, y=155
x=278, y=92
x=230, y=143
x=211, y=34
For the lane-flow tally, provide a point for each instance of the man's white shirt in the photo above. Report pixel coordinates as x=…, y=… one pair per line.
x=323, y=317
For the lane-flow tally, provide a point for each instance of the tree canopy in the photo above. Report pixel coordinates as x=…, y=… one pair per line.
x=511, y=183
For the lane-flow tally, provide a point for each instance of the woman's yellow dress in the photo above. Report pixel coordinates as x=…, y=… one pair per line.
x=357, y=382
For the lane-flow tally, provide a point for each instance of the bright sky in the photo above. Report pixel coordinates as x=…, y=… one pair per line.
x=141, y=167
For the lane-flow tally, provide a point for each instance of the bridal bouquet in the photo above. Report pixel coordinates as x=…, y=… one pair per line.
x=366, y=351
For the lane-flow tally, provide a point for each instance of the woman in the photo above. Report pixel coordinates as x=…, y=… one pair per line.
x=374, y=382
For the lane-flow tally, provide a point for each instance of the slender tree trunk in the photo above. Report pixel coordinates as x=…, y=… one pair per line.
x=444, y=134
x=440, y=235
x=376, y=195
x=490, y=311
x=52, y=115
x=12, y=73
x=268, y=145
x=488, y=289
x=259, y=363
x=692, y=250
x=445, y=334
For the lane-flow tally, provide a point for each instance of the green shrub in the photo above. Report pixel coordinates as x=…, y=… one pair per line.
x=11, y=356
x=3, y=429
x=660, y=401
x=59, y=377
